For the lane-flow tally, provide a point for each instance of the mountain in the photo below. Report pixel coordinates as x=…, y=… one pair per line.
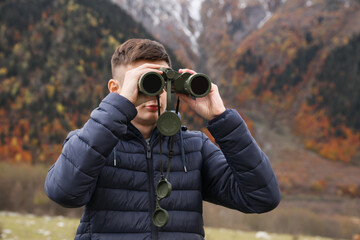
x=301, y=66
x=175, y=22
x=290, y=67
x=273, y=55
x=55, y=64
x=190, y=28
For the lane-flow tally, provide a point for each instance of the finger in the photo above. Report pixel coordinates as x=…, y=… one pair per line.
x=151, y=66
x=141, y=71
x=137, y=73
x=187, y=70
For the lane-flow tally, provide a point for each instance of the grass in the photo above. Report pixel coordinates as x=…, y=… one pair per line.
x=30, y=227
x=227, y=234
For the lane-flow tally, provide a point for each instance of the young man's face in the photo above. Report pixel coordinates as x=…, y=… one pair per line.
x=148, y=111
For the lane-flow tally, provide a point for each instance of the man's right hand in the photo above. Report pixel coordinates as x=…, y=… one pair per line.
x=129, y=88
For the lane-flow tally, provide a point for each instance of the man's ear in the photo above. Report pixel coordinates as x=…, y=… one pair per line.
x=114, y=86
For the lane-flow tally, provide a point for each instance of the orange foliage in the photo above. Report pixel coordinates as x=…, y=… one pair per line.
x=208, y=134
x=348, y=189
x=13, y=151
x=320, y=136
x=319, y=185
x=245, y=93
x=44, y=15
x=249, y=124
x=17, y=36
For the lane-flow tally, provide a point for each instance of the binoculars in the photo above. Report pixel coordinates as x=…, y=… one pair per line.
x=196, y=85
x=152, y=83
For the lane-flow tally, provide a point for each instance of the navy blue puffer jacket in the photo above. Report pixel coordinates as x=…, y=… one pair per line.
x=109, y=167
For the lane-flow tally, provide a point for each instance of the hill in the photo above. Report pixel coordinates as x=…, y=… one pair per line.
x=273, y=55
x=55, y=64
x=298, y=70
x=303, y=63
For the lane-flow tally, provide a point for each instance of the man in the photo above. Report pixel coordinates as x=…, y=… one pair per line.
x=113, y=164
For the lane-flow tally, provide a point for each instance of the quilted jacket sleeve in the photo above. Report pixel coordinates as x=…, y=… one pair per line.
x=72, y=179
x=238, y=176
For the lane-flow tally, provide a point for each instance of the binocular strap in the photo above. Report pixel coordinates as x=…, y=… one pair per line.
x=160, y=216
x=172, y=139
x=170, y=156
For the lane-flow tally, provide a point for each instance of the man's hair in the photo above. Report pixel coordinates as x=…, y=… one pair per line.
x=138, y=49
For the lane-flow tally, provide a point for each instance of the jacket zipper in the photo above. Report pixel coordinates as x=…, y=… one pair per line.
x=151, y=189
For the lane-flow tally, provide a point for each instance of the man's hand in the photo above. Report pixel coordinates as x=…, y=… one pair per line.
x=129, y=88
x=209, y=106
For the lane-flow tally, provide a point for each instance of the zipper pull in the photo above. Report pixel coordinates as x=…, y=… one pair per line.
x=115, y=156
x=148, y=151
x=183, y=157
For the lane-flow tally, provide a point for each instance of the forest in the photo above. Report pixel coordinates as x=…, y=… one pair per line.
x=54, y=58
x=55, y=64
x=303, y=70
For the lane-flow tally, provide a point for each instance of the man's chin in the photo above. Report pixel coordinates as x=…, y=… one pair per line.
x=147, y=119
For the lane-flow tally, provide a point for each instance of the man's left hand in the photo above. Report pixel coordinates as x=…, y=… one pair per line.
x=207, y=107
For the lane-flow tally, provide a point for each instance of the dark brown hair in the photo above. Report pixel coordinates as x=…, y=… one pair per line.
x=138, y=49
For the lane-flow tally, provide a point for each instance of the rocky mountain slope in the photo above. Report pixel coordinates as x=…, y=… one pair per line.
x=187, y=27
x=273, y=55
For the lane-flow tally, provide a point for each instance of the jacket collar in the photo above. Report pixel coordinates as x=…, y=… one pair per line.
x=133, y=133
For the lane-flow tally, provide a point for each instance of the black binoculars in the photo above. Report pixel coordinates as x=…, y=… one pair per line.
x=196, y=85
